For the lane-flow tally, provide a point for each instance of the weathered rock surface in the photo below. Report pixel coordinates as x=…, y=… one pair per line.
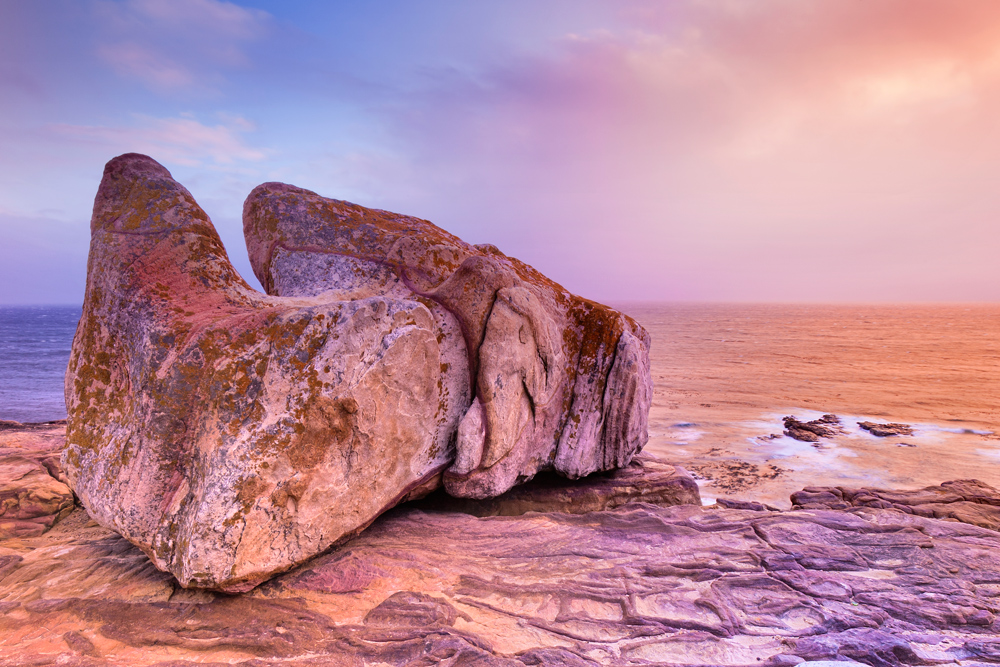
x=231, y=435
x=966, y=500
x=636, y=585
x=33, y=490
x=558, y=382
x=811, y=431
x=644, y=480
x=226, y=433
x=886, y=430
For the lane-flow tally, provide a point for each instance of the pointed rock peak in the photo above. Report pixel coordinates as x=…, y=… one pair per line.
x=228, y=434
x=137, y=195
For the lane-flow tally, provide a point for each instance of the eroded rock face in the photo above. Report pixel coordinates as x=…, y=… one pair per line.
x=644, y=480
x=231, y=435
x=557, y=381
x=630, y=586
x=966, y=500
x=226, y=433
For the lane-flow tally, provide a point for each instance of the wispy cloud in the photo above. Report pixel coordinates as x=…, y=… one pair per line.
x=172, y=45
x=710, y=134
x=154, y=69
x=710, y=149
x=183, y=140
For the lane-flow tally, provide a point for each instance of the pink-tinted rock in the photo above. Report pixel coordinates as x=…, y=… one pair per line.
x=33, y=491
x=557, y=381
x=811, y=431
x=644, y=480
x=886, y=430
x=966, y=500
x=229, y=434
x=628, y=587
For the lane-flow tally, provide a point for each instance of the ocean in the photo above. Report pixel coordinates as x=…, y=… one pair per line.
x=725, y=376
x=34, y=350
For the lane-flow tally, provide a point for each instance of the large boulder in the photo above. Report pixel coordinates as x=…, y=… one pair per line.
x=226, y=433
x=231, y=435
x=558, y=382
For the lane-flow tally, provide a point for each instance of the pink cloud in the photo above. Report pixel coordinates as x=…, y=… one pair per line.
x=707, y=137
x=139, y=62
x=171, y=45
x=184, y=141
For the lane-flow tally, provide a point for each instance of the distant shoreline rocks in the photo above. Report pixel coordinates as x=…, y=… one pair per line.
x=829, y=425
x=887, y=429
x=811, y=431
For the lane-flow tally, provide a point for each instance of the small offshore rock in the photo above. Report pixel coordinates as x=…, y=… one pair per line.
x=887, y=429
x=811, y=431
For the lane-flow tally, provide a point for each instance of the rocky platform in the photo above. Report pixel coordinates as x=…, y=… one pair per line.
x=638, y=584
x=33, y=490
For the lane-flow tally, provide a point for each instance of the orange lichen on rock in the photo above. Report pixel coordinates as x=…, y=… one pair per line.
x=198, y=407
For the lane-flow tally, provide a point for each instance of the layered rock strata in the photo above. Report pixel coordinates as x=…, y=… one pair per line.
x=231, y=434
x=886, y=430
x=637, y=585
x=966, y=500
x=556, y=381
x=34, y=494
x=644, y=480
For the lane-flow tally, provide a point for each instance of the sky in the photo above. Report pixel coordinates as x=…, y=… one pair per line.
x=691, y=150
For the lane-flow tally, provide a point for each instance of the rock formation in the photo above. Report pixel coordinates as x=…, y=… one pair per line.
x=737, y=586
x=632, y=586
x=230, y=434
x=33, y=492
x=811, y=431
x=557, y=381
x=966, y=500
x=886, y=430
x=644, y=480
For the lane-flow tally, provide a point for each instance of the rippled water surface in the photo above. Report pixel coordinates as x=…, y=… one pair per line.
x=34, y=350
x=725, y=375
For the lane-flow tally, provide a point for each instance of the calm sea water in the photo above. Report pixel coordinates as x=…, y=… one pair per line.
x=726, y=375
x=34, y=350
x=936, y=362
x=905, y=362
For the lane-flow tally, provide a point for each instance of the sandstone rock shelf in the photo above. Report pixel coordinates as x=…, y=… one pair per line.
x=33, y=491
x=634, y=585
x=645, y=480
